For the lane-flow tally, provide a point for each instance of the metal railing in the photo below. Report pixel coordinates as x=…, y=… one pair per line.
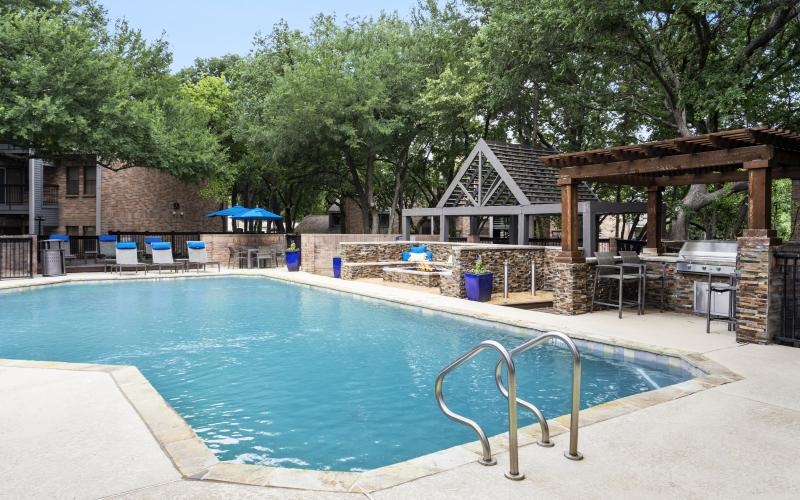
x=786, y=269
x=486, y=458
x=178, y=239
x=575, y=398
x=510, y=393
x=16, y=257
x=50, y=194
x=631, y=245
x=13, y=194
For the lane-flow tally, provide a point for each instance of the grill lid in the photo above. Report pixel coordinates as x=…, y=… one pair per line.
x=721, y=251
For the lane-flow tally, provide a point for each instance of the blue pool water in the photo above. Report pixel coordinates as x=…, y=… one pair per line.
x=279, y=374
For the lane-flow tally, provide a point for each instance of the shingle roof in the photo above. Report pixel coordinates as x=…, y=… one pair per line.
x=538, y=181
x=535, y=180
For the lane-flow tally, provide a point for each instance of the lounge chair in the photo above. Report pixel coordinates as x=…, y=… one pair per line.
x=128, y=257
x=162, y=257
x=108, y=250
x=148, y=245
x=64, y=244
x=198, y=256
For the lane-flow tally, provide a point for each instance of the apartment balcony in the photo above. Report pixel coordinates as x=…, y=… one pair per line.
x=15, y=198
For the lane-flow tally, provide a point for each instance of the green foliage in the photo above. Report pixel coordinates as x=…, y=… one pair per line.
x=68, y=86
x=477, y=267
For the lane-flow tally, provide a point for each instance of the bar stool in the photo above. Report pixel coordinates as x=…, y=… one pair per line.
x=721, y=288
x=632, y=258
x=608, y=270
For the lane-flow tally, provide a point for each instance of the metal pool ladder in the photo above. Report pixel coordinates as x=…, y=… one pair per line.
x=507, y=359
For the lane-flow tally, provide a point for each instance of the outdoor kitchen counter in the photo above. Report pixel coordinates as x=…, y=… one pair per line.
x=667, y=258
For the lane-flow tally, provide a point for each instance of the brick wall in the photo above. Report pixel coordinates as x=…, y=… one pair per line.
x=218, y=245
x=320, y=249
x=142, y=199
x=73, y=210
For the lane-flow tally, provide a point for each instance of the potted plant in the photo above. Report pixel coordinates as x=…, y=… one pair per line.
x=479, y=282
x=293, y=257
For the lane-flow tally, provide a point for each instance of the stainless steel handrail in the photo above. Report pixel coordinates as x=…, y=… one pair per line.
x=572, y=453
x=545, y=427
x=487, y=459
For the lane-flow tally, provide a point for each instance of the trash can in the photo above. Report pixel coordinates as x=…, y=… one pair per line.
x=52, y=258
x=337, y=267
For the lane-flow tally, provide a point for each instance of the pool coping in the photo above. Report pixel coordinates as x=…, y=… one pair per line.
x=194, y=460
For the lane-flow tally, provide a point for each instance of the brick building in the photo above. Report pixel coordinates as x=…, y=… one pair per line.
x=82, y=198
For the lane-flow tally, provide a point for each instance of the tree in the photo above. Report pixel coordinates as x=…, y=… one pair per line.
x=68, y=87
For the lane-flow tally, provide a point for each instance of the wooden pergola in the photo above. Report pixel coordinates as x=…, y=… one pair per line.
x=754, y=155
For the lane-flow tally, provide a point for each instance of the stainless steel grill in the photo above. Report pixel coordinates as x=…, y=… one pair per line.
x=716, y=257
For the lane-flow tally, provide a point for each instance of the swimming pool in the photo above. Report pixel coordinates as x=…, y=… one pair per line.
x=279, y=374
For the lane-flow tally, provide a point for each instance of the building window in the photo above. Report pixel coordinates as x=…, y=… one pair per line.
x=383, y=221
x=89, y=231
x=89, y=181
x=73, y=181
x=334, y=220
x=73, y=230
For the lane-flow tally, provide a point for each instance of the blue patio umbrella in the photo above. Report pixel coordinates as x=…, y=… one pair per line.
x=257, y=214
x=229, y=212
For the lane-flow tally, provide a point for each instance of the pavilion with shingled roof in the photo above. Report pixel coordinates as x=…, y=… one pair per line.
x=511, y=180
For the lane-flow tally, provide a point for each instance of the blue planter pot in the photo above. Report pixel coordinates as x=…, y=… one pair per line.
x=337, y=267
x=293, y=260
x=479, y=286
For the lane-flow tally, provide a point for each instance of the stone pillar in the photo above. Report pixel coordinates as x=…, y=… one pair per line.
x=572, y=287
x=756, y=310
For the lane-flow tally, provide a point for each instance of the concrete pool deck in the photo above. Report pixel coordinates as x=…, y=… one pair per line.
x=73, y=434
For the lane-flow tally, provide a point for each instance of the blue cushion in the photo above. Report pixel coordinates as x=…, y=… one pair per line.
x=421, y=249
x=126, y=245
x=152, y=239
x=405, y=256
x=60, y=237
x=196, y=245
x=430, y=256
x=108, y=237
x=161, y=245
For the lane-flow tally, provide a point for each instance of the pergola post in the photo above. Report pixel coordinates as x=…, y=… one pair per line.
x=589, y=230
x=654, y=220
x=569, y=222
x=404, y=227
x=444, y=228
x=759, y=193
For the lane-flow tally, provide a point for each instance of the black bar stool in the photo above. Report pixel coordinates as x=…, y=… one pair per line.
x=721, y=288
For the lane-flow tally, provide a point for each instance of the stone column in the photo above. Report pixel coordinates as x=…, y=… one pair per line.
x=756, y=311
x=572, y=287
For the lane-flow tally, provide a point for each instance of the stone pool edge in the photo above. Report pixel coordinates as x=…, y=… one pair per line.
x=195, y=461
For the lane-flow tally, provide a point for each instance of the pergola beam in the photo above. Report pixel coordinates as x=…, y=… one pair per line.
x=673, y=163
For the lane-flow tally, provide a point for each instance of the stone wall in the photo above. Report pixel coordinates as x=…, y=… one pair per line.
x=679, y=293
x=218, y=245
x=756, y=309
x=357, y=256
x=572, y=287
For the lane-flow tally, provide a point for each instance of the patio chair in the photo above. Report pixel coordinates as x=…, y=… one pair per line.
x=148, y=246
x=609, y=271
x=280, y=256
x=236, y=256
x=266, y=255
x=630, y=258
x=198, y=256
x=128, y=257
x=108, y=250
x=161, y=253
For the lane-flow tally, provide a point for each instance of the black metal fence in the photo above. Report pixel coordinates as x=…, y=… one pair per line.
x=16, y=258
x=13, y=194
x=177, y=238
x=787, y=286
x=631, y=245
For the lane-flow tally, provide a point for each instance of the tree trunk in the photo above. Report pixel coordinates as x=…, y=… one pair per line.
x=400, y=175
